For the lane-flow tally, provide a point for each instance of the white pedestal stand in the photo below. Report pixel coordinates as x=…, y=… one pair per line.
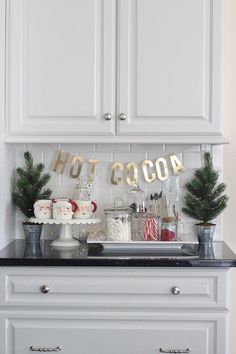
x=65, y=239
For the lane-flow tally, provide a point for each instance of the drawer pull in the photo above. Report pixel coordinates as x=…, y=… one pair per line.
x=175, y=290
x=45, y=289
x=177, y=351
x=44, y=350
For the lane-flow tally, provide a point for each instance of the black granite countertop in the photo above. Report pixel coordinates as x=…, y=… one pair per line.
x=18, y=253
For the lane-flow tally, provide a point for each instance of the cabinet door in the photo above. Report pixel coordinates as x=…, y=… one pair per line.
x=169, y=68
x=76, y=336
x=60, y=61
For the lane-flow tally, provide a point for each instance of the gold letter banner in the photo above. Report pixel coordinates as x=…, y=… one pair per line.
x=92, y=166
x=61, y=161
x=132, y=173
x=116, y=180
x=132, y=168
x=165, y=175
x=176, y=165
x=77, y=160
x=149, y=177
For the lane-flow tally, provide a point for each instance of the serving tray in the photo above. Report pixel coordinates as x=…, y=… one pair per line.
x=141, y=245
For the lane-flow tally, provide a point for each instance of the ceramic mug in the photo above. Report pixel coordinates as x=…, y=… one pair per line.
x=85, y=209
x=63, y=209
x=43, y=209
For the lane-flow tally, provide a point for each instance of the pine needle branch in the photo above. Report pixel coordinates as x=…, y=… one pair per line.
x=30, y=185
x=204, y=200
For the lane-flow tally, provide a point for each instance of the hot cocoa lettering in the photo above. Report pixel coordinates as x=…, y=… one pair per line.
x=159, y=169
x=76, y=164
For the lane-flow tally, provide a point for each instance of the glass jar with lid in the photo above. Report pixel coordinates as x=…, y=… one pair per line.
x=169, y=228
x=118, y=223
x=136, y=200
x=145, y=227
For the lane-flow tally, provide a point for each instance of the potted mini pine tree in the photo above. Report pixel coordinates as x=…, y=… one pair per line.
x=30, y=188
x=204, y=199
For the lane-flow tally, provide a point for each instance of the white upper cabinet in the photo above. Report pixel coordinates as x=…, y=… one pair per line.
x=61, y=61
x=169, y=67
x=114, y=70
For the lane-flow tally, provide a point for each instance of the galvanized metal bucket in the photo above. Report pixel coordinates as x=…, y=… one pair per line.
x=32, y=232
x=32, y=250
x=205, y=233
x=206, y=250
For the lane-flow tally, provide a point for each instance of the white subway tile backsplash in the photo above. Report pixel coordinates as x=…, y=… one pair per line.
x=42, y=148
x=131, y=156
x=206, y=147
x=112, y=147
x=77, y=148
x=157, y=149
x=102, y=190
x=192, y=160
x=180, y=148
x=217, y=157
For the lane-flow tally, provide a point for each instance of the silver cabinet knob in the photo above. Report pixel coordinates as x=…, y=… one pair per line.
x=123, y=116
x=45, y=289
x=175, y=290
x=107, y=116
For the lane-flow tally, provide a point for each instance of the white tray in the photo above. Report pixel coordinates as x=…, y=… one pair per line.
x=142, y=245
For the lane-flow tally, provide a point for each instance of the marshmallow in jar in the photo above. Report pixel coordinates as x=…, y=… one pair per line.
x=118, y=224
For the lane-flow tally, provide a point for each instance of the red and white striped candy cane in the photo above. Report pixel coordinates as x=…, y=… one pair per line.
x=150, y=230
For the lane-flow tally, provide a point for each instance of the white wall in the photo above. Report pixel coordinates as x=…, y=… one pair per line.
x=230, y=150
x=7, y=154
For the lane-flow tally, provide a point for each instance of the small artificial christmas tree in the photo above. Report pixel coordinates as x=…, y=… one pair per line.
x=204, y=200
x=29, y=186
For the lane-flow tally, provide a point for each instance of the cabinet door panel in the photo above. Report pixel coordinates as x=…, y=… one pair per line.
x=75, y=336
x=169, y=66
x=61, y=57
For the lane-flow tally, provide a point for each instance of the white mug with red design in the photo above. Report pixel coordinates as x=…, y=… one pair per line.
x=85, y=209
x=64, y=209
x=43, y=209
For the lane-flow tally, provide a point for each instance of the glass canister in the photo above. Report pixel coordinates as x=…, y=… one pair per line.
x=136, y=199
x=118, y=224
x=145, y=227
x=169, y=229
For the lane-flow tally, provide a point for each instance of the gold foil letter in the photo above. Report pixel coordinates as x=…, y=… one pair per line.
x=61, y=161
x=92, y=166
x=77, y=159
x=176, y=165
x=115, y=179
x=132, y=173
x=165, y=175
x=149, y=177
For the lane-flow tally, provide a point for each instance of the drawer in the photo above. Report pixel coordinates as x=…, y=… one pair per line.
x=113, y=287
x=104, y=336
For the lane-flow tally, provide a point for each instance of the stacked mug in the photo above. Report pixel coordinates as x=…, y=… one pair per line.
x=64, y=209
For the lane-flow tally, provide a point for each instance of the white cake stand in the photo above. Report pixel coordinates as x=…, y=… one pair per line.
x=65, y=239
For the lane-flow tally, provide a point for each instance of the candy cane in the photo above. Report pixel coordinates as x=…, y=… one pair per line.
x=150, y=230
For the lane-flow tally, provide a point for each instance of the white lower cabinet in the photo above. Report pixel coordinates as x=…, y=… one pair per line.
x=168, y=334
x=114, y=325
